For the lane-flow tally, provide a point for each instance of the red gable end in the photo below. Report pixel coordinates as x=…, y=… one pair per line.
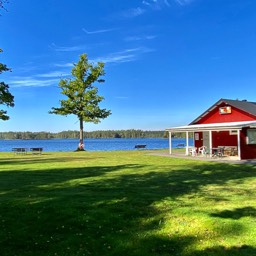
x=228, y=111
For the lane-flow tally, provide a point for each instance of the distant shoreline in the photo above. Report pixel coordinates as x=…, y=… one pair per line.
x=146, y=138
x=74, y=134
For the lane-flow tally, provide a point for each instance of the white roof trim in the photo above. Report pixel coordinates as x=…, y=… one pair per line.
x=214, y=126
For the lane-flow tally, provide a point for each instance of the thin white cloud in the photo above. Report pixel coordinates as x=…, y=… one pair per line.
x=53, y=74
x=167, y=3
x=64, y=65
x=66, y=48
x=38, y=80
x=127, y=55
x=134, y=12
x=98, y=31
x=183, y=2
x=156, y=4
x=52, y=78
x=147, y=5
x=117, y=58
x=33, y=82
x=139, y=38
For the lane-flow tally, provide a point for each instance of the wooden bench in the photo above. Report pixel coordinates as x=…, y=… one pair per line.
x=19, y=150
x=36, y=150
x=140, y=146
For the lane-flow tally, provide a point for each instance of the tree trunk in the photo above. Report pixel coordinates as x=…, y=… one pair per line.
x=81, y=136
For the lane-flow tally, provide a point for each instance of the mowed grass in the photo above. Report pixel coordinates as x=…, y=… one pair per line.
x=125, y=203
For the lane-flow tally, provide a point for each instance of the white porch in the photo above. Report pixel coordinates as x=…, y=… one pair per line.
x=209, y=128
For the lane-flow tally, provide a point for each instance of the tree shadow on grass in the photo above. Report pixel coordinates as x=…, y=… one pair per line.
x=243, y=250
x=42, y=159
x=236, y=214
x=104, y=210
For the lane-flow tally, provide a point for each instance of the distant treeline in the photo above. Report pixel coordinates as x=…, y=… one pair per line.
x=94, y=134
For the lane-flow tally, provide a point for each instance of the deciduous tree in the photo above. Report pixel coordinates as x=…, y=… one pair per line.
x=6, y=98
x=82, y=99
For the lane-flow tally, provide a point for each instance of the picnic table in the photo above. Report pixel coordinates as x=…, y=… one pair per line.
x=36, y=150
x=140, y=146
x=20, y=150
x=25, y=150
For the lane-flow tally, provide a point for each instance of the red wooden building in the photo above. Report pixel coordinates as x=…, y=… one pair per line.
x=228, y=124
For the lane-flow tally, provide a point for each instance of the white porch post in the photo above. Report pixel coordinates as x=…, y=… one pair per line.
x=170, y=143
x=238, y=145
x=210, y=143
x=187, y=144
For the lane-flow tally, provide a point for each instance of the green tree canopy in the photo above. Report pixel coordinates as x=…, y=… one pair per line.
x=6, y=98
x=82, y=97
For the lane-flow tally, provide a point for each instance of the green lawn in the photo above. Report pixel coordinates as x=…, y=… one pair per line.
x=125, y=203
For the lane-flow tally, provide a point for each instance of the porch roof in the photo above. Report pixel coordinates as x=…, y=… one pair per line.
x=214, y=127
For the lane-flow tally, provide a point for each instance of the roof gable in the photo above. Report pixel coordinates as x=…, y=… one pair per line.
x=243, y=111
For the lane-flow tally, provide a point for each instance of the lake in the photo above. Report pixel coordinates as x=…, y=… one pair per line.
x=57, y=145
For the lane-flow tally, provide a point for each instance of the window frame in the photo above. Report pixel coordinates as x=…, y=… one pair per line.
x=251, y=136
x=233, y=132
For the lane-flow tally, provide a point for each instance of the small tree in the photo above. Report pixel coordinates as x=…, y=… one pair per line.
x=82, y=95
x=6, y=97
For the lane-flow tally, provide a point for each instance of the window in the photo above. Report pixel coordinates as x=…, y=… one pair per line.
x=233, y=132
x=251, y=136
x=225, y=110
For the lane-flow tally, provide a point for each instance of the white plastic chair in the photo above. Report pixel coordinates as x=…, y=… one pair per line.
x=202, y=150
x=193, y=151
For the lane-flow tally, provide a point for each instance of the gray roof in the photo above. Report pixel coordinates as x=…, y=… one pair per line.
x=244, y=105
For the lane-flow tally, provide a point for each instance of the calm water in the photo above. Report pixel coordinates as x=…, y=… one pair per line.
x=55, y=145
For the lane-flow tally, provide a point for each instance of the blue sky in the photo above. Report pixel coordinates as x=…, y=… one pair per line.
x=166, y=61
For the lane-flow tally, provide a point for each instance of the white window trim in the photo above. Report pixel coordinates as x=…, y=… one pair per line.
x=233, y=132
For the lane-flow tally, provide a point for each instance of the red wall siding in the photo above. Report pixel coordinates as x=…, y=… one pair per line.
x=236, y=115
x=223, y=139
x=247, y=151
